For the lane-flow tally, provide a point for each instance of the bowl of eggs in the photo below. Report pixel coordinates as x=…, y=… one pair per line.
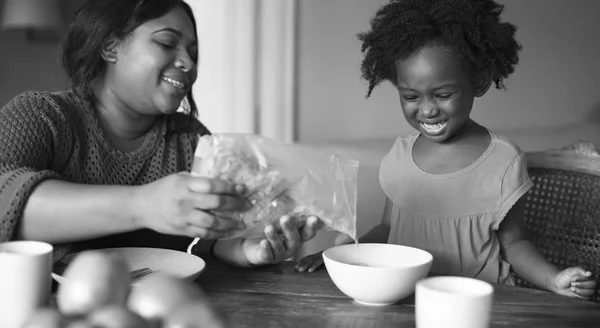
x=376, y=274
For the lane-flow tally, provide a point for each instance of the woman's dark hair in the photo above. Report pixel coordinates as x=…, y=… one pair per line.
x=97, y=21
x=471, y=29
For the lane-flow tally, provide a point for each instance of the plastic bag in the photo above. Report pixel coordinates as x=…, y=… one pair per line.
x=282, y=179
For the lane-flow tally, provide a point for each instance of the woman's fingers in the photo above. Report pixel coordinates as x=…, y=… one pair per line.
x=204, y=233
x=214, y=186
x=275, y=241
x=203, y=220
x=310, y=228
x=290, y=232
x=219, y=202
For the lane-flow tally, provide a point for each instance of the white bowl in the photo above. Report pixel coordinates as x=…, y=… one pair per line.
x=376, y=274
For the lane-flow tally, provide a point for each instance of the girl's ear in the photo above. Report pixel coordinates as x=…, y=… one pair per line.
x=109, y=50
x=484, y=82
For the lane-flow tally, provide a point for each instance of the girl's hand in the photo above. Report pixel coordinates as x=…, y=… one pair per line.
x=180, y=204
x=310, y=263
x=575, y=282
x=281, y=242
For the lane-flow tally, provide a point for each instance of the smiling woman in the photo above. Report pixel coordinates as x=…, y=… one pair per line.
x=106, y=164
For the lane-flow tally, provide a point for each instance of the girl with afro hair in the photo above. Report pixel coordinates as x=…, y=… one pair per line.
x=454, y=188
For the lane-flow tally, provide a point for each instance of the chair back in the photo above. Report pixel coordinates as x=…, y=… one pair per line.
x=562, y=211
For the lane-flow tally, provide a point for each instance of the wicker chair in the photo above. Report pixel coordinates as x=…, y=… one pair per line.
x=562, y=215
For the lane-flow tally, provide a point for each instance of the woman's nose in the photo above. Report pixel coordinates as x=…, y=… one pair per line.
x=184, y=62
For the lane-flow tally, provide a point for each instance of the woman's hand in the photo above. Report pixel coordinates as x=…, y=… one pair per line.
x=575, y=282
x=180, y=204
x=280, y=242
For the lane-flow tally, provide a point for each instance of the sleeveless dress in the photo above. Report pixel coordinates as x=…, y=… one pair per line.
x=455, y=216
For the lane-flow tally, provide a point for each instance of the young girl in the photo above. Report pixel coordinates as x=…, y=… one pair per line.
x=454, y=188
x=105, y=164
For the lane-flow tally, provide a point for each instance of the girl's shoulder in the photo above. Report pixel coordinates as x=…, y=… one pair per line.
x=403, y=143
x=506, y=144
x=505, y=148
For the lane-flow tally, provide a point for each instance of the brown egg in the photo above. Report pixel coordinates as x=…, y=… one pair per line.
x=157, y=295
x=46, y=318
x=93, y=280
x=198, y=314
x=79, y=323
x=115, y=316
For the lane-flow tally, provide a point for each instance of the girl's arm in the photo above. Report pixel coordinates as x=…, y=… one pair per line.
x=531, y=265
x=526, y=260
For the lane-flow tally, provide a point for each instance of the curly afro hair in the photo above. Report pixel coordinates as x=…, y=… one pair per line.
x=471, y=29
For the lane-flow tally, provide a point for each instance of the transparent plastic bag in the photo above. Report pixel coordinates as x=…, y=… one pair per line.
x=282, y=179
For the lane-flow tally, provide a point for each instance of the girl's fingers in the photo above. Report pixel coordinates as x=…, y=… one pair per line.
x=582, y=292
x=588, y=284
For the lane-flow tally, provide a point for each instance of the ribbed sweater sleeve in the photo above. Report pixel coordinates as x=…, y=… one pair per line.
x=33, y=133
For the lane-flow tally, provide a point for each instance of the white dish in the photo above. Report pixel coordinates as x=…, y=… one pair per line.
x=376, y=274
x=176, y=263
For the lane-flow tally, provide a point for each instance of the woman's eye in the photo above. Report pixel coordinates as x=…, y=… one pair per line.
x=167, y=45
x=410, y=98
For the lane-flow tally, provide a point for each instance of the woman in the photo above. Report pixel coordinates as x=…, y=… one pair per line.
x=105, y=164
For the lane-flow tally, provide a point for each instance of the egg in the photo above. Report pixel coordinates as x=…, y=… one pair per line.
x=156, y=296
x=114, y=316
x=198, y=314
x=79, y=323
x=92, y=280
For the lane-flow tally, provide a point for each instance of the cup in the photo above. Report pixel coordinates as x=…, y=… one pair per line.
x=25, y=281
x=453, y=302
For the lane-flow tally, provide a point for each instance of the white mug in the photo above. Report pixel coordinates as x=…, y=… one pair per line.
x=25, y=281
x=453, y=302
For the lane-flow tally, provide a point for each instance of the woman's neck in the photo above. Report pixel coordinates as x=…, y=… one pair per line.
x=124, y=128
x=117, y=118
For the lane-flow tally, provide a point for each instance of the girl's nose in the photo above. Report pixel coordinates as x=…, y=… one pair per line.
x=429, y=110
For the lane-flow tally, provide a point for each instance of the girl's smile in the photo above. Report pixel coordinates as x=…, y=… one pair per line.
x=434, y=128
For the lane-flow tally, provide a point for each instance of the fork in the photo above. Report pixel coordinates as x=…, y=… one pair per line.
x=135, y=274
x=139, y=273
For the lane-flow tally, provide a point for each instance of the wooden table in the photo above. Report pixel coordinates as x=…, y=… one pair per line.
x=278, y=296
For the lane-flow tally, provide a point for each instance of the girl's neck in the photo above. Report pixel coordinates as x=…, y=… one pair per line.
x=458, y=152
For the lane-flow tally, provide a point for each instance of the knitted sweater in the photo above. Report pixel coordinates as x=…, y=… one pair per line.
x=55, y=136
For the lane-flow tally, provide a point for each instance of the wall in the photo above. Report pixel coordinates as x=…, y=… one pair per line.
x=551, y=100
x=553, y=91
x=26, y=65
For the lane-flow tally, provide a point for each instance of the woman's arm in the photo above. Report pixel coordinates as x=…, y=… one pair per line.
x=62, y=212
x=178, y=204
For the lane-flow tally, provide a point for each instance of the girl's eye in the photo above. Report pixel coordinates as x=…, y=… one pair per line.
x=445, y=96
x=410, y=98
